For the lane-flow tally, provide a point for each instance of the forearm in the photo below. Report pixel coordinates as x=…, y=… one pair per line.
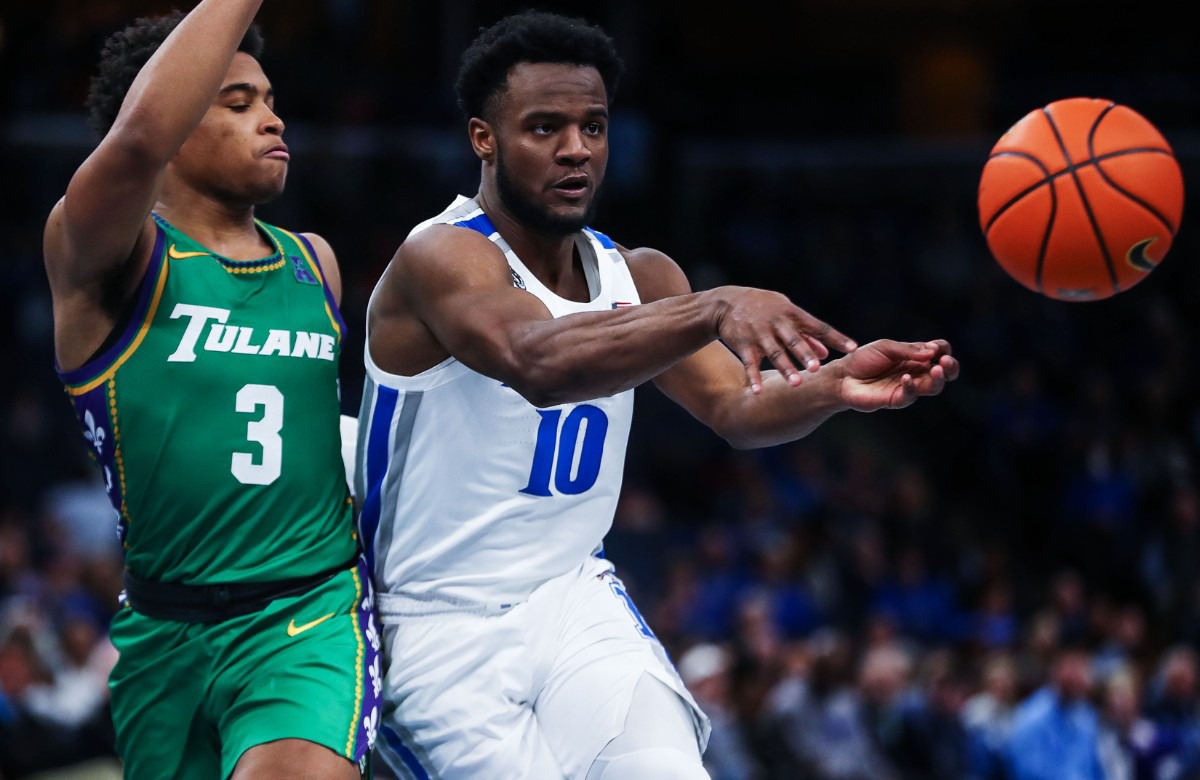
x=781, y=412
x=598, y=354
x=168, y=98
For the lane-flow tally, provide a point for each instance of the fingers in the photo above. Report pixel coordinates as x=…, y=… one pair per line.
x=949, y=367
x=805, y=348
x=825, y=334
x=751, y=358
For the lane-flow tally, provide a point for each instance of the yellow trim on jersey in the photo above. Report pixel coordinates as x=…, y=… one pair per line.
x=275, y=266
x=143, y=329
x=362, y=651
x=247, y=266
x=316, y=269
x=118, y=455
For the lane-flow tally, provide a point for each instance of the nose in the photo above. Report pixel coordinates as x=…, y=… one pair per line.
x=272, y=124
x=574, y=149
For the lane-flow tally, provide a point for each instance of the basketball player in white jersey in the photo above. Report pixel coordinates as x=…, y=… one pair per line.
x=504, y=343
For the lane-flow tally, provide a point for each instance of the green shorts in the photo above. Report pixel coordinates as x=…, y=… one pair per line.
x=188, y=699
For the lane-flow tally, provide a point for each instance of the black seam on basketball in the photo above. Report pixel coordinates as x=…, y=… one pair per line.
x=1046, y=177
x=1147, y=206
x=1087, y=207
x=1050, y=177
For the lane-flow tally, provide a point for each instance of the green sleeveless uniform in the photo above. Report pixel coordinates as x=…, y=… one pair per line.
x=214, y=417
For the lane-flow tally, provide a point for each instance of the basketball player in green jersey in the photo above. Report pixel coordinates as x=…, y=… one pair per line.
x=200, y=348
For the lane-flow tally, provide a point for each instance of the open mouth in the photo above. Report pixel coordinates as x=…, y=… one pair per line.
x=573, y=186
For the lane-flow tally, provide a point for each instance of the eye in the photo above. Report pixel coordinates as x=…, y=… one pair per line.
x=240, y=108
x=594, y=128
x=542, y=129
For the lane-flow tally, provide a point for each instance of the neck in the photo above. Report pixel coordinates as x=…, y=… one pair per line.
x=225, y=229
x=551, y=258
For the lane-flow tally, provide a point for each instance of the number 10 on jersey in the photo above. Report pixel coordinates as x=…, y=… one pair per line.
x=569, y=454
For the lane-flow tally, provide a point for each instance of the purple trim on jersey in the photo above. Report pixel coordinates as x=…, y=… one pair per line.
x=92, y=411
x=372, y=680
x=92, y=368
x=333, y=304
x=480, y=224
x=376, y=467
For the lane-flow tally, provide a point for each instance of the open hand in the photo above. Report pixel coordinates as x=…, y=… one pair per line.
x=757, y=324
x=889, y=374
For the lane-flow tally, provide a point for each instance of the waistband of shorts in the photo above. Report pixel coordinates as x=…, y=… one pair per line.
x=399, y=605
x=219, y=602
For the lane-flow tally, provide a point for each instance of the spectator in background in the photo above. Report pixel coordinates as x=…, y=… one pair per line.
x=1055, y=731
x=1131, y=747
x=818, y=722
x=705, y=669
x=1068, y=601
x=987, y=717
x=1170, y=703
x=29, y=741
x=884, y=677
x=1123, y=645
x=77, y=686
x=994, y=623
x=921, y=601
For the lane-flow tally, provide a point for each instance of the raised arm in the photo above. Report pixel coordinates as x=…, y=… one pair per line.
x=712, y=385
x=100, y=227
x=449, y=291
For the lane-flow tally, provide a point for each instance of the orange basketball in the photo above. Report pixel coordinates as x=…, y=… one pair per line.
x=1081, y=199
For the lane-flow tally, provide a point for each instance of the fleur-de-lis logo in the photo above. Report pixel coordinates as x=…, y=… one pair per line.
x=376, y=677
x=371, y=724
x=372, y=633
x=93, y=434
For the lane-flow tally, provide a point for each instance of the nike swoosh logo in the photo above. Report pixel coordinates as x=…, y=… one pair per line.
x=294, y=629
x=175, y=254
x=1137, y=255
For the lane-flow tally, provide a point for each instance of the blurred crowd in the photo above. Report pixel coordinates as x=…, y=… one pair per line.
x=1003, y=582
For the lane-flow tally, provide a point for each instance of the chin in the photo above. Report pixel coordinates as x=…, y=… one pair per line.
x=266, y=193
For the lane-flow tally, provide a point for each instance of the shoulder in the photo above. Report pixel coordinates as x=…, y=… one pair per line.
x=328, y=262
x=655, y=273
x=321, y=247
x=447, y=243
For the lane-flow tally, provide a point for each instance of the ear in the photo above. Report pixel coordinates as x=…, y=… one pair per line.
x=483, y=139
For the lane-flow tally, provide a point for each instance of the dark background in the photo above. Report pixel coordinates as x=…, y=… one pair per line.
x=829, y=149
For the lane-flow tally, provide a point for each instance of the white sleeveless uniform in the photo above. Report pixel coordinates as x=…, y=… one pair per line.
x=513, y=650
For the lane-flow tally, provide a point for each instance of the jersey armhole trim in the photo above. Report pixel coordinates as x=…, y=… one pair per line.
x=310, y=255
x=95, y=372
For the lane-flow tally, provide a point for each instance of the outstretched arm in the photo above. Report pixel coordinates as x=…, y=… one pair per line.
x=457, y=285
x=100, y=225
x=712, y=386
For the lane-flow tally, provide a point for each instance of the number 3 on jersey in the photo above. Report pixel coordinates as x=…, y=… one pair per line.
x=570, y=454
x=265, y=431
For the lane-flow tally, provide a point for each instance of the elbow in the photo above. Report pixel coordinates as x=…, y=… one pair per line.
x=139, y=141
x=739, y=431
x=740, y=443
x=550, y=380
x=539, y=381
x=734, y=435
x=543, y=386
x=738, y=440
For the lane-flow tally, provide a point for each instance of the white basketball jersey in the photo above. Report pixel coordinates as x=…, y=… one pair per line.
x=471, y=495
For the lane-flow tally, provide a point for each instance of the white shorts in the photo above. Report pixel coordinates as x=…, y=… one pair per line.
x=536, y=691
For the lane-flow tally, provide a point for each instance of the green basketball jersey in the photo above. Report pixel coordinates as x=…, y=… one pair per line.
x=214, y=417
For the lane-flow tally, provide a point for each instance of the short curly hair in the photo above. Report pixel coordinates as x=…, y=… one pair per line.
x=530, y=36
x=124, y=54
